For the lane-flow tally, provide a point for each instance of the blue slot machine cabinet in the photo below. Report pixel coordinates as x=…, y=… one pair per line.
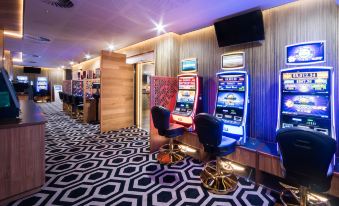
x=306, y=99
x=232, y=99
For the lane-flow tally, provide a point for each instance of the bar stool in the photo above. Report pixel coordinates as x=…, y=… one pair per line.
x=169, y=153
x=61, y=96
x=69, y=103
x=306, y=157
x=217, y=175
x=79, y=107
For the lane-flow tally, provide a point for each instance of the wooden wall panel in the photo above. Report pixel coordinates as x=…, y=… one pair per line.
x=22, y=155
x=117, y=87
x=8, y=63
x=1, y=47
x=166, y=48
x=304, y=20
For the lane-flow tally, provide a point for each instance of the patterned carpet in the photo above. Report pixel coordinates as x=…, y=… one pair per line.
x=84, y=167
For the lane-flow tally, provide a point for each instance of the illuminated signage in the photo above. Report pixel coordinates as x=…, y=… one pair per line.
x=189, y=65
x=233, y=61
x=305, y=53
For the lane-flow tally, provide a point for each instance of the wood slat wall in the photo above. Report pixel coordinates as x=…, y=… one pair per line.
x=1, y=46
x=304, y=20
x=166, y=48
x=300, y=21
x=117, y=87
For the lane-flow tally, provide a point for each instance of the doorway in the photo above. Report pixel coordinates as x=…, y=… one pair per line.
x=144, y=71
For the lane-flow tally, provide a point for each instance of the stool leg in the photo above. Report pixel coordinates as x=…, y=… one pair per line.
x=218, y=179
x=170, y=153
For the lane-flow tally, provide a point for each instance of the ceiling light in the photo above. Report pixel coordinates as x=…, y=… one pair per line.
x=110, y=47
x=13, y=34
x=19, y=32
x=62, y=67
x=71, y=62
x=160, y=28
x=87, y=56
x=17, y=60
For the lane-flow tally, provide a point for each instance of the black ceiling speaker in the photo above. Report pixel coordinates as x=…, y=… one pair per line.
x=60, y=3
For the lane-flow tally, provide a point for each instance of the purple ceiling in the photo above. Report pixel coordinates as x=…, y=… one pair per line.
x=91, y=25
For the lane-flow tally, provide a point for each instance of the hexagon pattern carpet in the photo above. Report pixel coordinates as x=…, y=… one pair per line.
x=84, y=167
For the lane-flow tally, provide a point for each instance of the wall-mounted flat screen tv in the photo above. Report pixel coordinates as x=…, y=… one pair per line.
x=244, y=28
x=32, y=70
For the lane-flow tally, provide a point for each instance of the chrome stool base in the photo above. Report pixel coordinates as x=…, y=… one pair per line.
x=170, y=154
x=217, y=178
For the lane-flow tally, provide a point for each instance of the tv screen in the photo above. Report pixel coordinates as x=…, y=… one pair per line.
x=245, y=28
x=32, y=70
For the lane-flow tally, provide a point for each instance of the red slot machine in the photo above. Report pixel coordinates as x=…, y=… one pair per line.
x=189, y=96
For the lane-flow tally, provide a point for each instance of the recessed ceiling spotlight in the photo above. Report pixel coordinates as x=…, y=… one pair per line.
x=87, y=56
x=110, y=47
x=160, y=28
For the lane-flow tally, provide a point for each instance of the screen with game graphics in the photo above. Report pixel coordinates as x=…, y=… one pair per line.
x=231, y=98
x=186, y=96
x=305, y=99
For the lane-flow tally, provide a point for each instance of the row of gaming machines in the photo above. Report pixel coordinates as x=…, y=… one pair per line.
x=305, y=93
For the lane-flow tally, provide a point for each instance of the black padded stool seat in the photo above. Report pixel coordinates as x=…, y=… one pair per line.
x=169, y=153
x=306, y=157
x=174, y=130
x=61, y=96
x=217, y=176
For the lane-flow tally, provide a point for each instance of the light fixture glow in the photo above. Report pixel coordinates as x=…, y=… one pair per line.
x=186, y=148
x=235, y=166
x=71, y=62
x=19, y=33
x=13, y=34
x=17, y=60
x=160, y=28
x=87, y=56
x=62, y=67
x=110, y=47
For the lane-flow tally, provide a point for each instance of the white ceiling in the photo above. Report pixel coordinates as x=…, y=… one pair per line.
x=91, y=25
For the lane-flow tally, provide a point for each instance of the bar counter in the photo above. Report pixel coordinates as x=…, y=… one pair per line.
x=22, y=153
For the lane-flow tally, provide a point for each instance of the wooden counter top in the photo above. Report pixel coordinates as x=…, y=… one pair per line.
x=30, y=114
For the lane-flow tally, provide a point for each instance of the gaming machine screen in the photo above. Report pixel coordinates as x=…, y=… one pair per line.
x=310, y=105
x=186, y=95
x=235, y=82
x=306, y=82
x=230, y=107
x=185, y=101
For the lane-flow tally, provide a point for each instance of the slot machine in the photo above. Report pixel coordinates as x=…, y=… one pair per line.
x=232, y=99
x=189, y=100
x=306, y=99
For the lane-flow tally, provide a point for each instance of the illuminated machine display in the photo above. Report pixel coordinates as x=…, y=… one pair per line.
x=306, y=99
x=232, y=97
x=188, y=102
x=41, y=84
x=232, y=103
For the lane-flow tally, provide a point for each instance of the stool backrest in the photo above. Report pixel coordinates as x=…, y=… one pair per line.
x=61, y=96
x=161, y=118
x=209, y=129
x=306, y=154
